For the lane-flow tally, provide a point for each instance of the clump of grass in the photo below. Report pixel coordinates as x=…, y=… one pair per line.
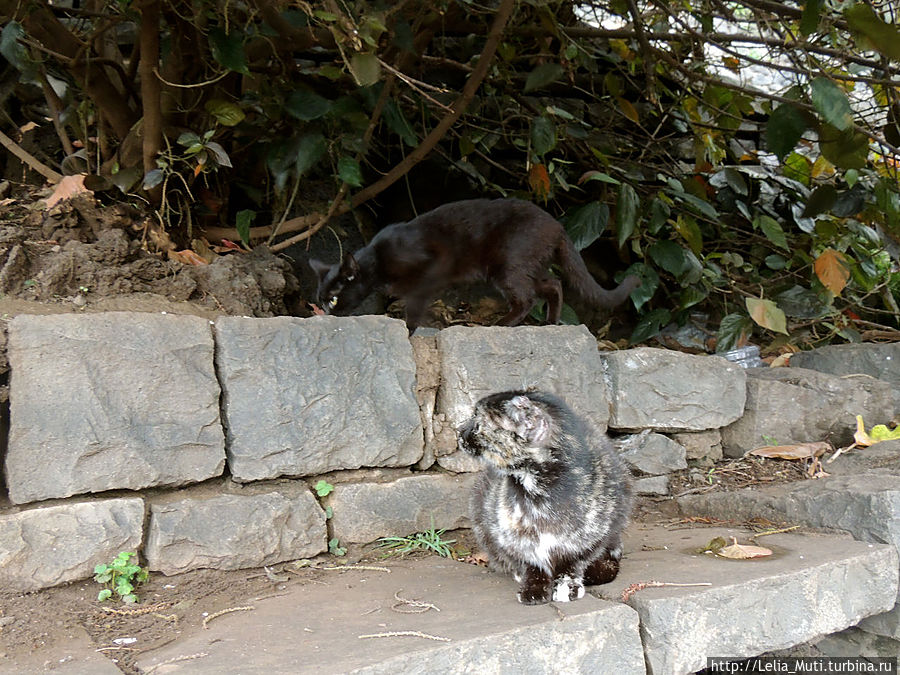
x=430, y=540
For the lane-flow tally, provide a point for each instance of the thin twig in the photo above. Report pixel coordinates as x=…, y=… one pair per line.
x=405, y=633
x=246, y=608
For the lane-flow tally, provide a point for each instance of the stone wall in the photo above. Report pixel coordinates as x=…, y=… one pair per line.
x=198, y=444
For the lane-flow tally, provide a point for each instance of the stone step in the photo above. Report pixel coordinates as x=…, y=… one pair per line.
x=812, y=586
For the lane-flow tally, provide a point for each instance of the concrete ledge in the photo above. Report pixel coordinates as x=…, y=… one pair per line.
x=487, y=629
x=813, y=585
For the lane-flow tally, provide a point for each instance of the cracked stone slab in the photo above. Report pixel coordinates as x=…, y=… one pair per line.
x=257, y=526
x=476, y=361
x=309, y=396
x=665, y=390
x=366, y=511
x=317, y=628
x=52, y=545
x=111, y=400
x=812, y=586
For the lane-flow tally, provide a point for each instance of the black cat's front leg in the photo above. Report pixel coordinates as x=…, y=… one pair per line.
x=534, y=588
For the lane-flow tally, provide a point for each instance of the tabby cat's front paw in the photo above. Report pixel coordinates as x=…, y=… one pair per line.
x=566, y=588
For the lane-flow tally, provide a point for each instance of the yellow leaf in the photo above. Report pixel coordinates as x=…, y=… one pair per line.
x=880, y=432
x=832, y=270
x=628, y=109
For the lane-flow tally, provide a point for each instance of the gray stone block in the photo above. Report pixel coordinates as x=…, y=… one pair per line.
x=478, y=361
x=667, y=390
x=365, y=511
x=795, y=405
x=865, y=505
x=700, y=444
x=652, y=454
x=813, y=586
x=111, y=400
x=53, y=545
x=651, y=485
x=308, y=396
x=878, y=360
x=258, y=526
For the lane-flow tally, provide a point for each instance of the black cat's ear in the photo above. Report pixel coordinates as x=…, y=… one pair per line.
x=321, y=269
x=349, y=267
x=531, y=422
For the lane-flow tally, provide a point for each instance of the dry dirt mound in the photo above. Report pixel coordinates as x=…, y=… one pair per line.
x=81, y=252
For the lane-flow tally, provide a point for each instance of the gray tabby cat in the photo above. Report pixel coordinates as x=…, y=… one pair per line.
x=553, y=500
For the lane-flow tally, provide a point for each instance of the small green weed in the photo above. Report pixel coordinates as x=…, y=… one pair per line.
x=323, y=488
x=429, y=540
x=120, y=576
x=335, y=548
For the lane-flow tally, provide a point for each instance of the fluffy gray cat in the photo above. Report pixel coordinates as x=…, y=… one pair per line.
x=553, y=499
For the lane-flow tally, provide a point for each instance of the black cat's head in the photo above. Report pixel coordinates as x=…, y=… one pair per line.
x=342, y=287
x=509, y=430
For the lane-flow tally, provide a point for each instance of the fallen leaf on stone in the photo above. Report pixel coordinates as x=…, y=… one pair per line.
x=737, y=551
x=67, y=188
x=879, y=433
x=797, y=451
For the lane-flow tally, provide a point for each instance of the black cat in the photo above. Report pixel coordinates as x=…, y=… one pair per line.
x=553, y=500
x=508, y=242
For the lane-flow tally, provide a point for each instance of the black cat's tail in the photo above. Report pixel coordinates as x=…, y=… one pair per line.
x=577, y=277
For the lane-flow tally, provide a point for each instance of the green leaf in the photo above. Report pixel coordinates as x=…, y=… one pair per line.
x=152, y=179
x=820, y=201
x=544, y=74
x=809, y=19
x=397, y=122
x=802, y=303
x=105, y=594
x=844, y=149
x=766, y=314
x=14, y=51
x=243, y=221
x=218, y=151
x=329, y=513
x=784, y=128
x=687, y=227
x=587, y=223
x=669, y=255
x=310, y=149
x=831, y=103
x=734, y=331
x=883, y=36
x=600, y=176
x=735, y=181
x=650, y=325
x=543, y=135
x=226, y=113
x=626, y=212
x=349, y=171
x=307, y=105
x=228, y=50
x=365, y=68
x=649, y=283
x=323, y=488
x=772, y=230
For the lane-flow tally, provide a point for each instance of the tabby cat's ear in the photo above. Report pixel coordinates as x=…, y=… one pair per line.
x=349, y=267
x=321, y=269
x=532, y=424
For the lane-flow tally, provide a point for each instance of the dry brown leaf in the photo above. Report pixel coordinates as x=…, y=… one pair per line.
x=797, y=451
x=67, y=188
x=187, y=257
x=737, y=551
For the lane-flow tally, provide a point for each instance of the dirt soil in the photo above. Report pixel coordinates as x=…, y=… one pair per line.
x=86, y=255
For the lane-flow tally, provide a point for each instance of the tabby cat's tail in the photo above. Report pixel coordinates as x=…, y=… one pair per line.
x=577, y=277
